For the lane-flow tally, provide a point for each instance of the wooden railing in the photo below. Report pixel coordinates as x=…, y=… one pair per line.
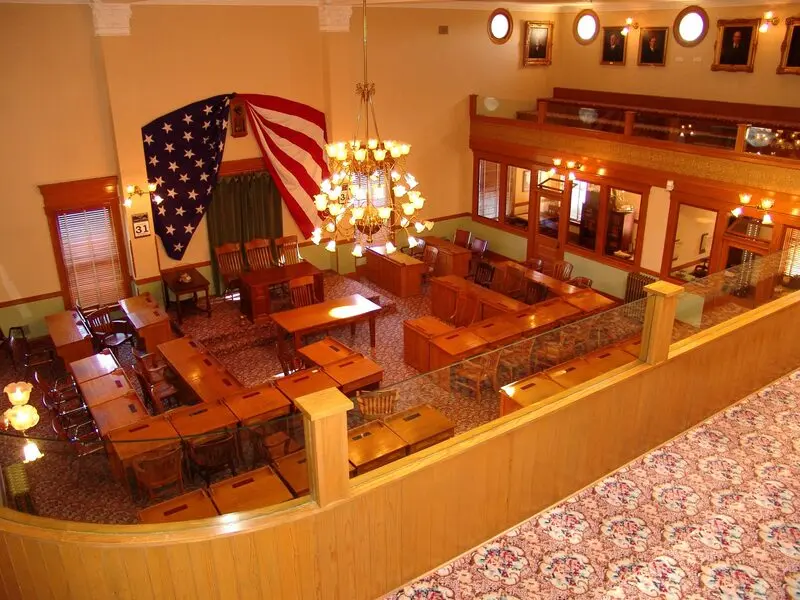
x=360, y=540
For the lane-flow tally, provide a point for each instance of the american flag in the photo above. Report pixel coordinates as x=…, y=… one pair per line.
x=292, y=139
x=183, y=151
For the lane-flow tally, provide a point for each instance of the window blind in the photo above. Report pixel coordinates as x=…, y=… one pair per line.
x=91, y=258
x=791, y=252
x=489, y=189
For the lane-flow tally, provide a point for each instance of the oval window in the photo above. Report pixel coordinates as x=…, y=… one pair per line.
x=500, y=26
x=691, y=26
x=586, y=27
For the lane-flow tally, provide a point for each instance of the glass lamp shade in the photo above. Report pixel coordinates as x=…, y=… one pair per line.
x=18, y=392
x=390, y=248
x=31, y=452
x=22, y=417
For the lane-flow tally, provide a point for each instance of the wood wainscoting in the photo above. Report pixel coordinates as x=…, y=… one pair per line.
x=406, y=518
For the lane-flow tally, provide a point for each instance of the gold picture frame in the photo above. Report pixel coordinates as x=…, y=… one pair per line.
x=736, y=45
x=652, y=50
x=538, y=45
x=790, y=49
x=615, y=46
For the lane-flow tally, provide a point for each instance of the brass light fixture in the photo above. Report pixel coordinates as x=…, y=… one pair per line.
x=764, y=205
x=629, y=24
x=135, y=190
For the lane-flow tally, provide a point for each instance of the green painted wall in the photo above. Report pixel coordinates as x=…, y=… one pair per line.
x=31, y=314
x=507, y=244
x=606, y=279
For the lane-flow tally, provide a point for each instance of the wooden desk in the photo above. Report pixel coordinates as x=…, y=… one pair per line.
x=104, y=388
x=608, y=359
x=70, y=336
x=305, y=382
x=527, y=391
x=417, y=334
x=590, y=301
x=326, y=315
x=254, y=290
x=264, y=402
x=446, y=289
x=180, y=351
x=122, y=411
x=455, y=346
x=498, y=331
x=134, y=303
x=355, y=372
x=152, y=326
x=200, y=419
x=633, y=348
x=248, y=491
x=293, y=469
x=553, y=285
x=452, y=259
x=172, y=283
x=186, y=507
x=325, y=351
x=544, y=316
x=131, y=442
x=200, y=371
x=420, y=427
x=572, y=373
x=373, y=445
x=398, y=273
x=94, y=366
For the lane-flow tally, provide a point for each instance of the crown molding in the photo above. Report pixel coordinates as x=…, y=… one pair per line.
x=111, y=19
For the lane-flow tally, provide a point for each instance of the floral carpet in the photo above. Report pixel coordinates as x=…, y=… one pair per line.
x=714, y=513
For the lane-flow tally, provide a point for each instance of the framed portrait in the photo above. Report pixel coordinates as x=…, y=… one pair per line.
x=790, y=50
x=538, y=43
x=613, y=46
x=735, y=49
x=653, y=47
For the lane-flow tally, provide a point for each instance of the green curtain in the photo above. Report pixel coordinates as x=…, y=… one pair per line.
x=243, y=207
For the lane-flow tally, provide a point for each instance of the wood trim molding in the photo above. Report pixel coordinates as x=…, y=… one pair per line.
x=29, y=299
x=241, y=166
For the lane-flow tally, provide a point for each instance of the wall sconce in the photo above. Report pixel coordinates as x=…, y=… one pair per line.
x=629, y=24
x=571, y=165
x=135, y=190
x=769, y=19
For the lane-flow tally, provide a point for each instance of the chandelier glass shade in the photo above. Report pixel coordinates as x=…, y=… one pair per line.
x=369, y=192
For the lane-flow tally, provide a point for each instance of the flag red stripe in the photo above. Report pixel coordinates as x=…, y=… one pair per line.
x=302, y=111
x=300, y=140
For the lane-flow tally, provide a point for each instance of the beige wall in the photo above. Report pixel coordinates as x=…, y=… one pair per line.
x=688, y=71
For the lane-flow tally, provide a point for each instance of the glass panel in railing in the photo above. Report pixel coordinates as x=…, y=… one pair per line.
x=695, y=131
x=568, y=114
x=491, y=106
x=773, y=141
x=751, y=281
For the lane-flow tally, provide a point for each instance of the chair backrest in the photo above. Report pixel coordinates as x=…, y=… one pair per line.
x=484, y=274
x=213, y=451
x=581, y=282
x=535, y=292
x=158, y=469
x=535, y=264
x=462, y=238
x=290, y=363
x=377, y=404
x=229, y=259
x=430, y=256
x=301, y=291
x=515, y=280
x=562, y=270
x=287, y=250
x=466, y=311
x=479, y=246
x=259, y=254
x=100, y=322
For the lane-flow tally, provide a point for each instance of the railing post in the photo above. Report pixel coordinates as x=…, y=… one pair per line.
x=541, y=111
x=325, y=426
x=630, y=119
x=659, y=318
x=741, y=136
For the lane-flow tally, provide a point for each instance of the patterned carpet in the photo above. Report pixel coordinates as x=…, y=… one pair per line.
x=711, y=514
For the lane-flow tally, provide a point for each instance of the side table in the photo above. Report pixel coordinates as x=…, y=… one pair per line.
x=173, y=283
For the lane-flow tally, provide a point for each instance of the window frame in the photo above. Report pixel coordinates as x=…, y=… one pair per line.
x=504, y=169
x=84, y=194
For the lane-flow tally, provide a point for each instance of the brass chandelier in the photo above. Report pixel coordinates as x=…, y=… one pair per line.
x=370, y=191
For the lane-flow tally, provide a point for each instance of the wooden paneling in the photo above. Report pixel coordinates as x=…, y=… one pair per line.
x=404, y=519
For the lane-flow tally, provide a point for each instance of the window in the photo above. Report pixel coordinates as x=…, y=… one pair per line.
x=586, y=27
x=622, y=224
x=550, y=186
x=693, y=238
x=489, y=190
x=500, y=26
x=690, y=26
x=517, y=197
x=791, y=253
x=584, y=208
x=91, y=258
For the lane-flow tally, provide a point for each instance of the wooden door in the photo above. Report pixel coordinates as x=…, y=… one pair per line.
x=746, y=288
x=547, y=217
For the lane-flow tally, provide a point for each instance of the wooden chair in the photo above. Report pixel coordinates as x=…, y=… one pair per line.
x=471, y=374
x=377, y=404
x=514, y=285
x=25, y=357
x=211, y=454
x=162, y=395
x=156, y=471
x=287, y=250
x=462, y=238
x=272, y=439
x=581, y=282
x=301, y=291
x=60, y=397
x=534, y=264
x=535, y=292
x=484, y=274
x=83, y=439
x=466, y=311
x=108, y=333
x=478, y=248
x=259, y=254
x=429, y=257
x=230, y=265
x=290, y=363
x=562, y=270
